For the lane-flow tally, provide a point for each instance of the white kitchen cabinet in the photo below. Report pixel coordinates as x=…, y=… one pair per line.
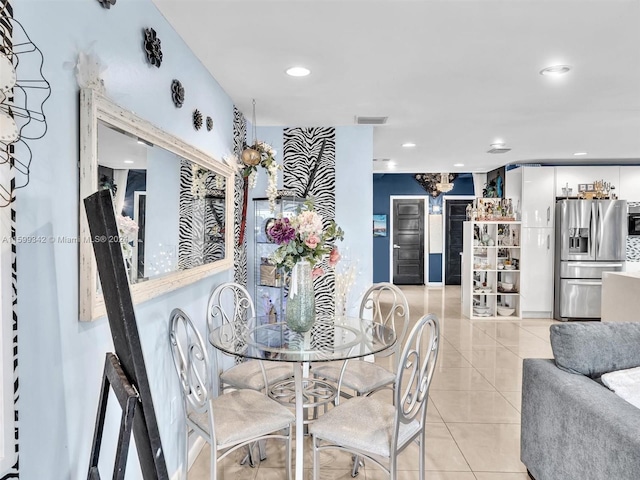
x=491, y=270
x=572, y=176
x=629, y=188
x=536, y=292
x=538, y=197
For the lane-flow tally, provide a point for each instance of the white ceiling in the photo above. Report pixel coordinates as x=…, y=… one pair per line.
x=453, y=76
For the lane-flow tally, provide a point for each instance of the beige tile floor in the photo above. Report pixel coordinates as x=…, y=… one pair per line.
x=473, y=417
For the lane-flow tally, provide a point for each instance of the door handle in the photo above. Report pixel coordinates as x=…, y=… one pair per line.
x=396, y=246
x=548, y=242
x=584, y=282
x=596, y=265
x=548, y=214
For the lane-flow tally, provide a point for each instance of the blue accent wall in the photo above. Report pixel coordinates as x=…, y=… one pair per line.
x=387, y=184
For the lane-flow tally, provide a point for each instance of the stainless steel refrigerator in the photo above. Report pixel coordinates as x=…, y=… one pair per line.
x=591, y=238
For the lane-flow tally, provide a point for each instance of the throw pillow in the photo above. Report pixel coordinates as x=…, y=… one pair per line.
x=625, y=384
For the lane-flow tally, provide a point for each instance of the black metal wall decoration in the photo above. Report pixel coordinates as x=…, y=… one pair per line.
x=177, y=93
x=21, y=105
x=124, y=330
x=152, y=47
x=197, y=119
x=209, y=124
x=107, y=3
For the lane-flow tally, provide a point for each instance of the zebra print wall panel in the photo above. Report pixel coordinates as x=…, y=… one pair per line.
x=301, y=149
x=198, y=219
x=239, y=251
x=6, y=46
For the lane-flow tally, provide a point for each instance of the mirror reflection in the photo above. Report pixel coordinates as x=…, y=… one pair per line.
x=170, y=211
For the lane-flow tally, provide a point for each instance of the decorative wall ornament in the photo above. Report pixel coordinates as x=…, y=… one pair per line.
x=197, y=119
x=436, y=183
x=152, y=47
x=209, y=124
x=22, y=100
x=89, y=69
x=107, y=3
x=177, y=93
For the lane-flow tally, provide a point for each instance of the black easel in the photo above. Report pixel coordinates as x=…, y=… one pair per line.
x=124, y=330
x=127, y=396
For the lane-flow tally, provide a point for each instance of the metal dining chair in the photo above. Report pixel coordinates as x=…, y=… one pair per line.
x=378, y=431
x=231, y=303
x=229, y=421
x=384, y=303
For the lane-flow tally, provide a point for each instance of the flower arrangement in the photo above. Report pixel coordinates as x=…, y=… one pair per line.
x=265, y=158
x=204, y=182
x=302, y=238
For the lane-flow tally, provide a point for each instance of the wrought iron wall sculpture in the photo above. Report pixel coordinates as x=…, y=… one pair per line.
x=22, y=102
x=430, y=181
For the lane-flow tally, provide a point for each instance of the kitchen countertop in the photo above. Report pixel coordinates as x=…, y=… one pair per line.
x=620, y=299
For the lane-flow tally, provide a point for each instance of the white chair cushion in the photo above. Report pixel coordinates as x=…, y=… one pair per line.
x=625, y=384
x=363, y=423
x=244, y=414
x=249, y=375
x=361, y=376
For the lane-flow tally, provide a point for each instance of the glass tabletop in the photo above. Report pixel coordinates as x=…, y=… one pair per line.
x=330, y=338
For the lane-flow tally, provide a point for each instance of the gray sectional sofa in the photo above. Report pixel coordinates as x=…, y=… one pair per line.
x=573, y=427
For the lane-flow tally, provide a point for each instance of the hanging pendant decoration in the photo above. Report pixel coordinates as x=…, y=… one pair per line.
x=152, y=47
x=209, y=124
x=177, y=93
x=197, y=119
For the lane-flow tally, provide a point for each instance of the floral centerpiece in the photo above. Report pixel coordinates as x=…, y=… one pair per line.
x=302, y=237
x=303, y=242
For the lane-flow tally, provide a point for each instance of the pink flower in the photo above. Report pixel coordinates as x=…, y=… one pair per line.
x=312, y=241
x=334, y=256
x=316, y=272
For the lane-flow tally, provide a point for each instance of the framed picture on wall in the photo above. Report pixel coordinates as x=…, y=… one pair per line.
x=379, y=225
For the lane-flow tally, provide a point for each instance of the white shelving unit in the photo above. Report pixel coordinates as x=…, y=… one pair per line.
x=491, y=270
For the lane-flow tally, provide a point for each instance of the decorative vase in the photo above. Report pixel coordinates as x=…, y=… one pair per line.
x=301, y=304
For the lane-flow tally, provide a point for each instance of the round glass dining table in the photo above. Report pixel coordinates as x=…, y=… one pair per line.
x=331, y=338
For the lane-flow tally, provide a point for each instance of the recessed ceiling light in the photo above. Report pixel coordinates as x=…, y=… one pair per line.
x=555, y=70
x=128, y=161
x=577, y=154
x=298, y=71
x=458, y=164
x=391, y=165
x=408, y=145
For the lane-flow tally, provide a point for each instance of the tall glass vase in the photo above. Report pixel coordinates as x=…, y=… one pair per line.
x=301, y=304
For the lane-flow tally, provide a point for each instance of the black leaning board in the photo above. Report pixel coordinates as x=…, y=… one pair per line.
x=124, y=329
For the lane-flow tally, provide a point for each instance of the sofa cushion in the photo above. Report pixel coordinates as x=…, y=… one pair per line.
x=595, y=348
x=625, y=384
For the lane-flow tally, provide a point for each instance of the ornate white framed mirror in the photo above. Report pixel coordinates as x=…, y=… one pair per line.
x=174, y=203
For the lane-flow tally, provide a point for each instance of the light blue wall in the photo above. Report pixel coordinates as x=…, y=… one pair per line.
x=61, y=360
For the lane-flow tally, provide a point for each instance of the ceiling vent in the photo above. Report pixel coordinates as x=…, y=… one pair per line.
x=371, y=120
x=498, y=148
